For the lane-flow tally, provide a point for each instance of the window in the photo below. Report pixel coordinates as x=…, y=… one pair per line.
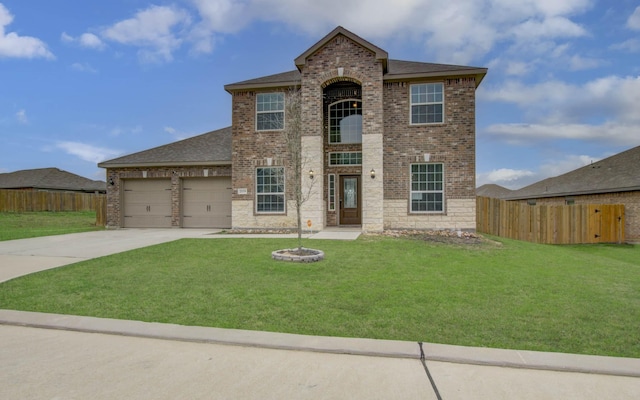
x=427, y=103
x=354, y=158
x=427, y=188
x=270, y=190
x=332, y=192
x=270, y=111
x=345, y=122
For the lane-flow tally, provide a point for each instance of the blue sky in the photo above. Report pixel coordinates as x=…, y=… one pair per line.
x=86, y=81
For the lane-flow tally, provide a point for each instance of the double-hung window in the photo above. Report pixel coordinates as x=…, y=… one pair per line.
x=270, y=190
x=427, y=103
x=270, y=111
x=427, y=188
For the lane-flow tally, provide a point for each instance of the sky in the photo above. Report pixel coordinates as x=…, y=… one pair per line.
x=86, y=81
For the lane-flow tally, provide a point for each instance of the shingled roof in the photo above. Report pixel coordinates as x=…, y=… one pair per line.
x=393, y=69
x=397, y=69
x=211, y=148
x=618, y=173
x=50, y=179
x=493, y=190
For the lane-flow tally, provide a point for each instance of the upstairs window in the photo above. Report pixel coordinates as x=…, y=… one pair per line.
x=427, y=103
x=270, y=111
x=427, y=188
x=345, y=122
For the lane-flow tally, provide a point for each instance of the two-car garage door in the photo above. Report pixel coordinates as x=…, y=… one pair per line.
x=204, y=203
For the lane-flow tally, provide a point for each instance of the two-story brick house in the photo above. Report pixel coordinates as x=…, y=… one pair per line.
x=388, y=144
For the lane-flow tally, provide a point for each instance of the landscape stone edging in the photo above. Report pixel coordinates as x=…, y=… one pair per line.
x=282, y=255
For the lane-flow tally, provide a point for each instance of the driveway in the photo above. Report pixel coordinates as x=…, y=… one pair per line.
x=25, y=256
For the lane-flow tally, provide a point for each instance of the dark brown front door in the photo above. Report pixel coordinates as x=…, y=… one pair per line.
x=350, y=209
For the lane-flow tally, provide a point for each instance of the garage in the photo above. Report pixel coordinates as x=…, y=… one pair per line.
x=206, y=202
x=147, y=203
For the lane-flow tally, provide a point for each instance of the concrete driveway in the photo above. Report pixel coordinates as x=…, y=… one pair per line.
x=72, y=357
x=24, y=256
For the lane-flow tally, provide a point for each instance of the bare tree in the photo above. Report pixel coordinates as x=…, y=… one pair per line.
x=293, y=138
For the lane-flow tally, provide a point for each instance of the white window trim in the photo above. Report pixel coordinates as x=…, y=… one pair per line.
x=284, y=193
x=411, y=104
x=444, y=199
x=284, y=106
x=331, y=182
x=344, y=165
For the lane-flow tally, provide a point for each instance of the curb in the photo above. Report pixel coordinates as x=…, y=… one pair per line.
x=524, y=359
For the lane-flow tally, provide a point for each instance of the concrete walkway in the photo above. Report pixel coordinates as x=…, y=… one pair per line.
x=71, y=357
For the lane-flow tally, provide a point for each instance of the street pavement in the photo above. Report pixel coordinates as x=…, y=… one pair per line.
x=49, y=356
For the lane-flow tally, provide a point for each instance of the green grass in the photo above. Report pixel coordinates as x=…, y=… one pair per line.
x=34, y=224
x=575, y=299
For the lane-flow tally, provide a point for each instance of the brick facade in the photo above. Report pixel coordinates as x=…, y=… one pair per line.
x=389, y=143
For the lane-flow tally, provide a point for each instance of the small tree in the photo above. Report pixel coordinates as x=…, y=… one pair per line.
x=293, y=138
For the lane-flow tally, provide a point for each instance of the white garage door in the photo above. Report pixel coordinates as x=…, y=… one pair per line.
x=147, y=203
x=206, y=202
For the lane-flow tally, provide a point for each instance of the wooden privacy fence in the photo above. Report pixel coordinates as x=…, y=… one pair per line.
x=549, y=224
x=28, y=200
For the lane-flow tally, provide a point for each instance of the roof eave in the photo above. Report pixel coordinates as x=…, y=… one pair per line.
x=479, y=74
x=164, y=164
x=574, y=193
x=254, y=86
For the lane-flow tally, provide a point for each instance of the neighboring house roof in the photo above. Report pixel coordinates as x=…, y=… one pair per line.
x=493, y=190
x=49, y=179
x=211, y=148
x=393, y=69
x=618, y=173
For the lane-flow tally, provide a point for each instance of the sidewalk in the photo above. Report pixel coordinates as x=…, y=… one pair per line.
x=60, y=356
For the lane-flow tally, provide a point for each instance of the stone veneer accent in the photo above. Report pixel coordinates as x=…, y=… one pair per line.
x=176, y=174
x=341, y=59
x=460, y=215
x=244, y=216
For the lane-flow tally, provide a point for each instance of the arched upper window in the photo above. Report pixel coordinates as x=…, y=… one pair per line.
x=345, y=121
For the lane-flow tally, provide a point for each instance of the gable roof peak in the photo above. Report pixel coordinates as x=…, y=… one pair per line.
x=379, y=53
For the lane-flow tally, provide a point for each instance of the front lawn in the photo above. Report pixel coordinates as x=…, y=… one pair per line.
x=574, y=299
x=32, y=224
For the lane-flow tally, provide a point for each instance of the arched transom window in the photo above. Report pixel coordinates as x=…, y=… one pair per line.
x=345, y=121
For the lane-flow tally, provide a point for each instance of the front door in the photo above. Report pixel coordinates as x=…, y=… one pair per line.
x=350, y=209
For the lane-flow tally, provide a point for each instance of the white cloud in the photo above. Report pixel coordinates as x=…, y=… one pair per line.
x=21, y=116
x=507, y=175
x=516, y=179
x=458, y=31
x=578, y=63
x=14, y=46
x=152, y=30
x=117, y=131
x=86, y=40
x=609, y=133
x=634, y=20
x=176, y=134
x=631, y=45
x=91, y=41
x=610, y=98
x=88, y=152
x=83, y=67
